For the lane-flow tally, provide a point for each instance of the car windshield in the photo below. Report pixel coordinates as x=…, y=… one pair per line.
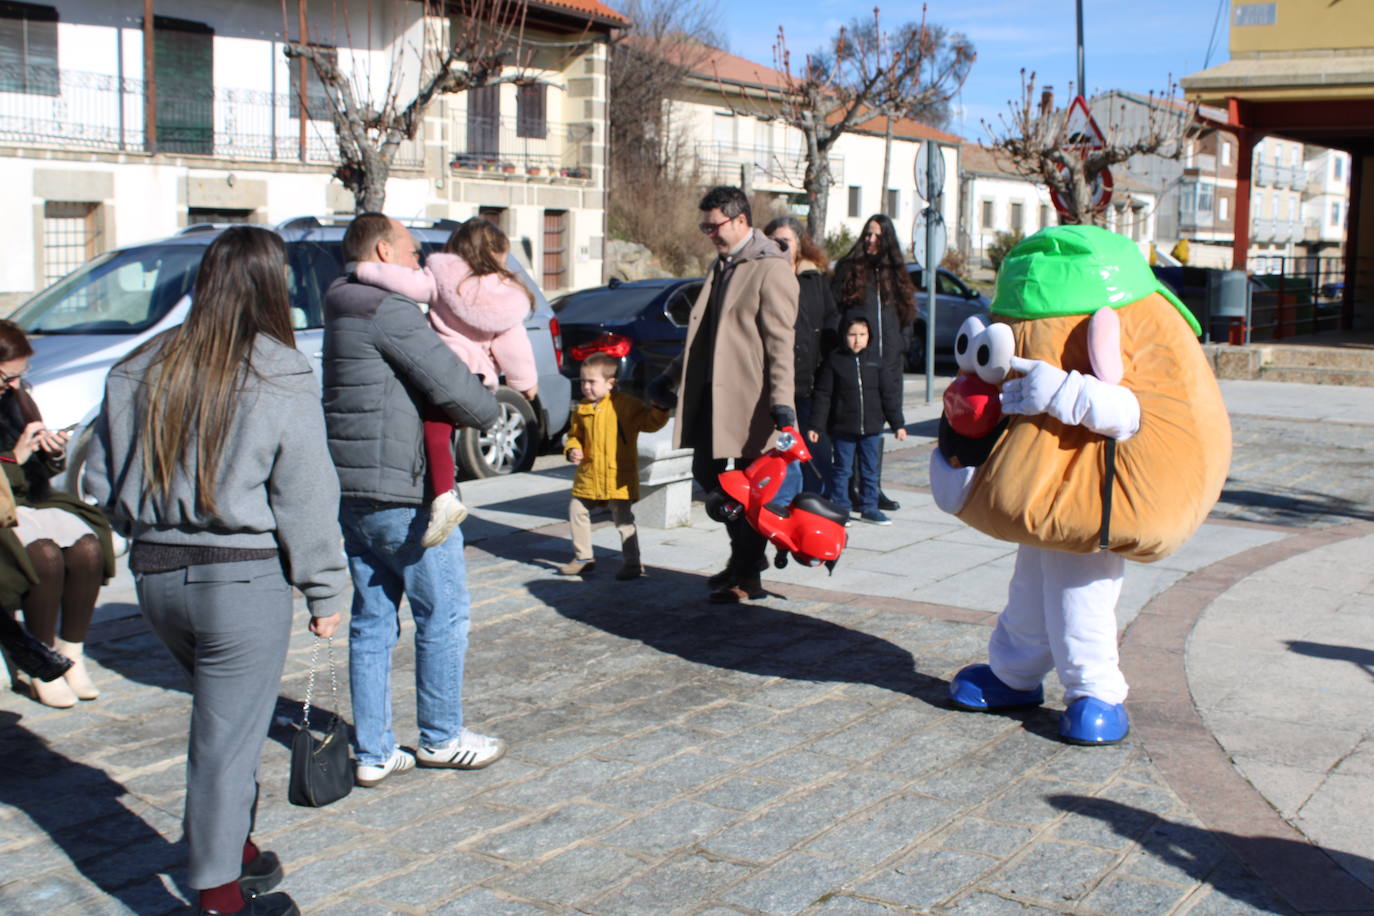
x=120, y=292
x=608, y=304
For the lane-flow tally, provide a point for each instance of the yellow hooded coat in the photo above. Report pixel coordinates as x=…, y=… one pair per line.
x=607, y=432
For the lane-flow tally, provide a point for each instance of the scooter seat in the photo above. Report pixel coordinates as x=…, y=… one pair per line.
x=810, y=502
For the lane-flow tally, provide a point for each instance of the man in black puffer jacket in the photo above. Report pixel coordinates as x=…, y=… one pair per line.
x=382, y=362
x=855, y=392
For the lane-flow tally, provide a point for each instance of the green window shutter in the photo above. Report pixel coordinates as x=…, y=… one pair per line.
x=184, y=67
x=28, y=49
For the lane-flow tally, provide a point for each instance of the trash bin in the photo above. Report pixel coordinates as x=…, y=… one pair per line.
x=1228, y=306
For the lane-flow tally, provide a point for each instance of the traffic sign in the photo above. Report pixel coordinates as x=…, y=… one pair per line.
x=938, y=237
x=1102, y=191
x=930, y=170
x=1080, y=130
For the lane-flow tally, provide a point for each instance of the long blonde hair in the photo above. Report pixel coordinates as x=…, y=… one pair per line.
x=196, y=376
x=483, y=245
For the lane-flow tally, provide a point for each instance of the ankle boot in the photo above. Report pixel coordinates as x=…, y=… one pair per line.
x=57, y=693
x=77, y=677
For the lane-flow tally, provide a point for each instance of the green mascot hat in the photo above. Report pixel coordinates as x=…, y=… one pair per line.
x=1076, y=270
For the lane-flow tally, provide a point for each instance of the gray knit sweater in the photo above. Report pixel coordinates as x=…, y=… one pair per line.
x=276, y=485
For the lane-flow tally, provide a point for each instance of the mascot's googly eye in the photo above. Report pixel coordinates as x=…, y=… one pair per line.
x=992, y=351
x=963, y=342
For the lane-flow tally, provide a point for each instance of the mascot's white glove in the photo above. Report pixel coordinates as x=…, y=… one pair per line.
x=1071, y=398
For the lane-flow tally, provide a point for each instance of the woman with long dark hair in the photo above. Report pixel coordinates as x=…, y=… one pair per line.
x=54, y=561
x=871, y=282
x=817, y=321
x=210, y=450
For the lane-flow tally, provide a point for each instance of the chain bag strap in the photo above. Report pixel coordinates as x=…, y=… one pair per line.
x=321, y=769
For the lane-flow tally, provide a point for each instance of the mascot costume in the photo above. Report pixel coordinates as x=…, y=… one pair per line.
x=1086, y=426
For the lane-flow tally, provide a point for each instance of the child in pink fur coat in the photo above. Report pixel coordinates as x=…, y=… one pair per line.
x=478, y=308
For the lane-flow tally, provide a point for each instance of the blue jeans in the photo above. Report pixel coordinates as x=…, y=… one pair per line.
x=868, y=448
x=385, y=558
x=816, y=471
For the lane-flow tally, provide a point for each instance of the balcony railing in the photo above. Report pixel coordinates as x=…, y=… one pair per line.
x=1277, y=230
x=524, y=147
x=1281, y=176
x=772, y=169
x=102, y=112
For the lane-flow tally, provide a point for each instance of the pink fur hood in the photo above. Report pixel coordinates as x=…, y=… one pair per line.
x=478, y=307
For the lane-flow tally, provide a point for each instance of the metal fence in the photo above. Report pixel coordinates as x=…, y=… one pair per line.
x=99, y=111
x=528, y=147
x=1294, y=295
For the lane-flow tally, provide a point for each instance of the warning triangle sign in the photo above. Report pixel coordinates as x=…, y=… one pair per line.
x=1080, y=130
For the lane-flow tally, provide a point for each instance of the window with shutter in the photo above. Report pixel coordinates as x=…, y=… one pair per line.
x=28, y=49
x=555, y=248
x=319, y=105
x=484, y=124
x=531, y=119
x=183, y=66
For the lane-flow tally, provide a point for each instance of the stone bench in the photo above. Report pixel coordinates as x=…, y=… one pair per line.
x=665, y=481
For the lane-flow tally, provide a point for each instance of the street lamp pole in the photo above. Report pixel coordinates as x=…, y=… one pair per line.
x=1082, y=80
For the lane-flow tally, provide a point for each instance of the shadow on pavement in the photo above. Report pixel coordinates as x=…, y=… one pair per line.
x=1302, y=507
x=1362, y=658
x=1303, y=874
x=667, y=610
x=78, y=807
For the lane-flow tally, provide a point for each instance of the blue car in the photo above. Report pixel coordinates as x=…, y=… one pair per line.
x=643, y=324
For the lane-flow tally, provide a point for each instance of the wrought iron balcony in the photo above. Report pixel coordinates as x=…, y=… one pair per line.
x=527, y=146
x=103, y=112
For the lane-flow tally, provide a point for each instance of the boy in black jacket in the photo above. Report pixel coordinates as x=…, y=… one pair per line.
x=854, y=394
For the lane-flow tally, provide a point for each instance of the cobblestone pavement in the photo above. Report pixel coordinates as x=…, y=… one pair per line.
x=666, y=756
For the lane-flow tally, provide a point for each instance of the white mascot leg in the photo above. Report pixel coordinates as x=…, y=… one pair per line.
x=1081, y=591
x=1019, y=649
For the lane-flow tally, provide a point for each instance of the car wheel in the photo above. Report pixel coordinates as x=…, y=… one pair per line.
x=916, y=353
x=508, y=447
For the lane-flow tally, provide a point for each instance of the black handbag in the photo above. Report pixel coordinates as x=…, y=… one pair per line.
x=321, y=768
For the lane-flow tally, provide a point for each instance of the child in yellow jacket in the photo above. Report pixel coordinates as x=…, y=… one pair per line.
x=603, y=444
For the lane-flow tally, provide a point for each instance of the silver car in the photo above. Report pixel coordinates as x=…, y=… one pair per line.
x=89, y=320
x=954, y=302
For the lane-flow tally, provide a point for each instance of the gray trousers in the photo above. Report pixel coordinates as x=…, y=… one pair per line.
x=228, y=625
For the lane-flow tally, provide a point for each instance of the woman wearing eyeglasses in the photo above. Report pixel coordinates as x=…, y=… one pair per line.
x=54, y=561
x=817, y=321
x=210, y=450
x=871, y=282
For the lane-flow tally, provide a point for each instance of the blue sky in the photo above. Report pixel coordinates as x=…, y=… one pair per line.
x=1130, y=44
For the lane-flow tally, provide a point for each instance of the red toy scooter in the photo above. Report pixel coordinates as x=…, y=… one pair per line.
x=811, y=529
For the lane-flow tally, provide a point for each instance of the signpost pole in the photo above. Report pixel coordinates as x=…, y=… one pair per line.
x=930, y=269
x=1082, y=80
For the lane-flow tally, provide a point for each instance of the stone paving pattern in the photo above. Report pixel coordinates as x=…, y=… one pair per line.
x=793, y=756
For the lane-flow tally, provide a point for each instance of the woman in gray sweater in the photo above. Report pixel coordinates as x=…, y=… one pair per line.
x=210, y=455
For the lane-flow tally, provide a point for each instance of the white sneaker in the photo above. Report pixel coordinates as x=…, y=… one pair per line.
x=469, y=751
x=369, y=776
x=445, y=513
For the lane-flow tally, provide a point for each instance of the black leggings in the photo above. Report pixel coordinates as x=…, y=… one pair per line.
x=69, y=580
x=747, y=546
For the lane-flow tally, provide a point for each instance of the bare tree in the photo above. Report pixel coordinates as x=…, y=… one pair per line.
x=463, y=44
x=849, y=83
x=926, y=95
x=1032, y=136
x=668, y=42
x=654, y=186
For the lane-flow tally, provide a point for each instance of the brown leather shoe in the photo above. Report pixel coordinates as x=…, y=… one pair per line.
x=723, y=579
x=742, y=590
x=577, y=567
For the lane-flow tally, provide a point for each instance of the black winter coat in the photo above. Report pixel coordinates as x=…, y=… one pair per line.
x=886, y=333
x=855, y=393
x=818, y=320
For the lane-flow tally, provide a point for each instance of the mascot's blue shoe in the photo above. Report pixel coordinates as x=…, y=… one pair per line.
x=1090, y=721
x=977, y=688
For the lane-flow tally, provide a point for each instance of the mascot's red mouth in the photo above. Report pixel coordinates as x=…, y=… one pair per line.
x=972, y=406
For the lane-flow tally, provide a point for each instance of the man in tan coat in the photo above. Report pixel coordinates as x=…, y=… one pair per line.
x=734, y=377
